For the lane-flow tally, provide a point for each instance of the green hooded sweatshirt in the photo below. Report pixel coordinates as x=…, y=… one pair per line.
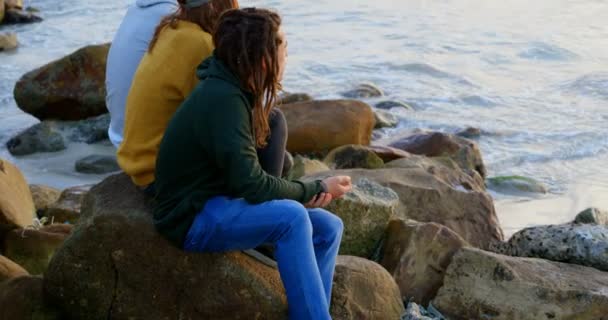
x=208, y=150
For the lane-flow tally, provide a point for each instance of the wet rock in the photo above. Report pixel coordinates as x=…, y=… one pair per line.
x=483, y=285
x=16, y=16
x=72, y=88
x=364, y=90
x=23, y=298
x=364, y=290
x=317, y=127
x=385, y=119
x=516, y=184
x=43, y=196
x=584, y=244
x=417, y=256
x=287, y=98
x=425, y=196
x=470, y=133
x=353, y=156
x=464, y=152
x=365, y=212
x=42, y=137
x=91, y=130
x=16, y=204
x=34, y=248
x=97, y=164
x=68, y=207
x=304, y=166
x=9, y=269
x=51, y=135
x=592, y=216
x=8, y=41
x=116, y=265
x=387, y=105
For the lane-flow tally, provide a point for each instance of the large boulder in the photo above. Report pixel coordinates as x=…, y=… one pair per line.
x=364, y=290
x=365, y=212
x=34, y=248
x=484, y=285
x=16, y=205
x=584, y=244
x=352, y=157
x=417, y=256
x=116, y=266
x=317, y=127
x=23, y=298
x=68, y=207
x=9, y=269
x=44, y=196
x=72, y=88
x=464, y=152
x=427, y=197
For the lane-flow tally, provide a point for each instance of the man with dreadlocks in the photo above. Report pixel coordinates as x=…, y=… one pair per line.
x=213, y=195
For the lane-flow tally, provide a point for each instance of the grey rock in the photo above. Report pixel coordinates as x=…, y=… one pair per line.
x=53, y=135
x=97, y=164
x=484, y=285
x=42, y=137
x=583, y=244
x=287, y=98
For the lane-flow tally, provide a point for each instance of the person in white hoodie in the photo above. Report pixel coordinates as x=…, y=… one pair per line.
x=128, y=47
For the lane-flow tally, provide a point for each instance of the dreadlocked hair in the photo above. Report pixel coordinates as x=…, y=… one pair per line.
x=206, y=16
x=247, y=42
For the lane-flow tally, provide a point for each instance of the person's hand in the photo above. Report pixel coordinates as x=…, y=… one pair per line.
x=319, y=201
x=338, y=186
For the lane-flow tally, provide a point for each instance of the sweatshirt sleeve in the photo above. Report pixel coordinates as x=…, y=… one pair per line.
x=232, y=147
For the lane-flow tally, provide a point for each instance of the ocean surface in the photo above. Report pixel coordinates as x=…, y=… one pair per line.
x=532, y=75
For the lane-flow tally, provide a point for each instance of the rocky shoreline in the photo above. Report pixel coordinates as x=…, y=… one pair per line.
x=421, y=230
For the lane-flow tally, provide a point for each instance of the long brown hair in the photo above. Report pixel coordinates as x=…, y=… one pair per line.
x=247, y=42
x=206, y=16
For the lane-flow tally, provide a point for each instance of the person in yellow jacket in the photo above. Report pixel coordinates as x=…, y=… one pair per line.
x=165, y=78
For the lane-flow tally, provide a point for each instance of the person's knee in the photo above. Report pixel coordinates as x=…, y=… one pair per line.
x=277, y=121
x=333, y=224
x=294, y=213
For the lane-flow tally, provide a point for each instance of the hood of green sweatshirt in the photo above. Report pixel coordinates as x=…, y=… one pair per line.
x=214, y=68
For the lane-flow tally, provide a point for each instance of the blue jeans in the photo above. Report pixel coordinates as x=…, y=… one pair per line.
x=306, y=245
